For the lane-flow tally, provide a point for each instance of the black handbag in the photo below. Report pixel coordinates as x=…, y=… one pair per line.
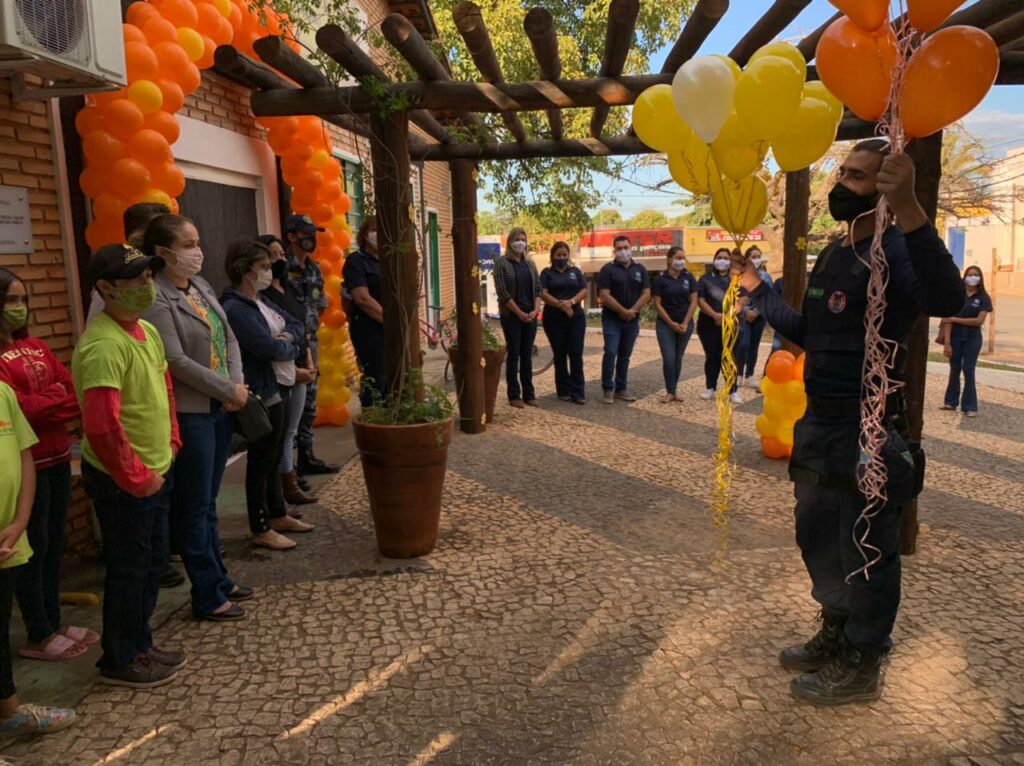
x=252, y=420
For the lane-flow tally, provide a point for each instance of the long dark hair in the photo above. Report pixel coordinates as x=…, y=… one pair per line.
x=981, y=285
x=7, y=278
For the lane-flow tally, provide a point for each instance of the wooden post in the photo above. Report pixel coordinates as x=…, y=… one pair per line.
x=399, y=264
x=927, y=156
x=992, y=285
x=794, y=241
x=472, y=398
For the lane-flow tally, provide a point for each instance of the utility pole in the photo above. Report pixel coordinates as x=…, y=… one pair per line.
x=993, y=278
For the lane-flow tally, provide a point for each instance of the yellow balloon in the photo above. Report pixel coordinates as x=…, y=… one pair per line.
x=768, y=387
x=767, y=94
x=657, y=122
x=785, y=433
x=192, y=42
x=764, y=426
x=224, y=6
x=739, y=206
x=146, y=95
x=793, y=393
x=775, y=410
x=816, y=89
x=344, y=393
x=807, y=137
x=158, y=196
x=703, y=91
x=787, y=51
x=737, y=154
x=733, y=66
x=693, y=168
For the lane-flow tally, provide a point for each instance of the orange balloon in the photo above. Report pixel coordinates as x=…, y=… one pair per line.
x=174, y=97
x=192, y=79
x=780, y=367
x=322, y=213
x=334, y=318
x=300, y=151
x=208, y=19
x=103, y=232
x=303, y=199
x=139, y=13
x=181, y=13
x=961, y=64
x=169, y=178
x=150, y=147
x=102, y=148
x=132, y=34
x=91, y=182
x=332, y=171
x=122, y=118
x=857, y=66
x=235, y=17
x=344, y=239
x=332, y=285
x=333, y=254
x=129, y=177
x=279, y=142
x=102, y=99
x=310, y=130
x=773, y=448
x=108, y=206
x=160, y=30
x=244, y=40
x=311, y=179
x=337, y=223
x=140, y=62
x=324, y=240
x=343, y=204
x=164, y=124
x=223, y=33
x=331, y=192
x=206, y=60
x=88, y=119
x=798, y=367
x=174, y=61
x=869, y=15
x=925, y=15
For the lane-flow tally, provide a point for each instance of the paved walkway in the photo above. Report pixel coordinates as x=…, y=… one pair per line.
x=574, y=613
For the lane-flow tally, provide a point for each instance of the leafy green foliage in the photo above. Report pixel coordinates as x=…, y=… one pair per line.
x=417, y=402
x=648, y=219
x=607, y=217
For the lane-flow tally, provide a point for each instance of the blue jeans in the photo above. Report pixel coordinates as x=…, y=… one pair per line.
x=619, y=338
x=205, y=443
x=755, y=330
x=567, y=336
x=673, y=346
x=966, y=349
x=38, y=588
x=134, y=534
x=296, y=402
x=519, y=340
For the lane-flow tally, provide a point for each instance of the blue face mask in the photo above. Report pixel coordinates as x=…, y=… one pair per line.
x=308, y=244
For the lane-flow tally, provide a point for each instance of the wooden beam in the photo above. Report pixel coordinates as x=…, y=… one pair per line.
x=472, y=398
x=705, y=17
x=1011, y=68
x=796, y=224
x=927, y=156
x=333, y=41
x=401, y=33
x=618, y=39
x=767, y=28
x=1016, y=45
x=396, y=240
x=983, y=13
x=273, y=52
x=1008, y=30
x=470, y=23
x=540, y=30
x=809, y=44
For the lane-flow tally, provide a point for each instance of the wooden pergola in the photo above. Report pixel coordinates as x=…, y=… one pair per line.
x=444, y=109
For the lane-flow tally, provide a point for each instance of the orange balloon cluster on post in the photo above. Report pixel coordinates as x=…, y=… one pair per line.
x=784, y=403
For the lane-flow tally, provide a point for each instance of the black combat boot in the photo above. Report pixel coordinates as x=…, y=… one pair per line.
x=311, y=465
x=820, y=650
x=853, y=676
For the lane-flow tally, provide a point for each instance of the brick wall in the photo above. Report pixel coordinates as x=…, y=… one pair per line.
x=220, y=102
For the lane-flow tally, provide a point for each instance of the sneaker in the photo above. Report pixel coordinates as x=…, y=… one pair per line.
x=609, y=397
x=143, y=673
x=971, y=414
x=36, y=719
x=167, y=657
x=625, y=395
x=752, y=382
x=707, y=393
x=735, y=397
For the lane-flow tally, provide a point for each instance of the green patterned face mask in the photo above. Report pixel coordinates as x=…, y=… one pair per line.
x=15, y=317
x=135, y=299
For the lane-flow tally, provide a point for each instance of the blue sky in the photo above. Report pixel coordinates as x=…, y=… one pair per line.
x=998, y=121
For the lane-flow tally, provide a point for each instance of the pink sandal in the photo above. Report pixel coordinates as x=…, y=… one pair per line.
x=81, y=635
x=60, y=648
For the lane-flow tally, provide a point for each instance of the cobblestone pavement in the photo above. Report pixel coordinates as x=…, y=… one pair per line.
x=574, y=612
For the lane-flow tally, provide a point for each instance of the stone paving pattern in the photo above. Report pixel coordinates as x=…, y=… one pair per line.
x=576, y=611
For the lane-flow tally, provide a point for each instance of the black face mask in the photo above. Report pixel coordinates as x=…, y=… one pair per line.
x=308, y=244
x=279, y=269
x=846, y=205
x=561, y=263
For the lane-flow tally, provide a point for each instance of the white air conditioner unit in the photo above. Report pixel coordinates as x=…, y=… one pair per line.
x=77, y=45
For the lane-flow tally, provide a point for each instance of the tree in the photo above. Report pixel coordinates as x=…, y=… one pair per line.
x=966, y=189
x=648, y=219
x=493, y=222
x=699, y=212
x=609, y=217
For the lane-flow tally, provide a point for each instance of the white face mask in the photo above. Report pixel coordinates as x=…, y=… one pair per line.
x=262, y=281
x=184, y=263
x=623, y=254
x=679, y=264
x=722, y=264
x=371, y=239
x=518, y=247
x=757, y=262
x=972, y=281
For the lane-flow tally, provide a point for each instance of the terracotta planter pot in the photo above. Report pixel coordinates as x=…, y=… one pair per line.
x=404, y=468
x=492, y=377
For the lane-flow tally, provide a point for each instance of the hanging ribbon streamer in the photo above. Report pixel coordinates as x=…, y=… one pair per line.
x=725, y=467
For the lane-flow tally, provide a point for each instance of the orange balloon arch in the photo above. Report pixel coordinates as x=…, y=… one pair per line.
x=127, y=137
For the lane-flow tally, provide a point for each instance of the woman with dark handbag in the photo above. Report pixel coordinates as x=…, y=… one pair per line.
x=265, y=336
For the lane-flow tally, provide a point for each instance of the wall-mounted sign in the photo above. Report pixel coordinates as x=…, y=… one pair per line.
x=15, y=223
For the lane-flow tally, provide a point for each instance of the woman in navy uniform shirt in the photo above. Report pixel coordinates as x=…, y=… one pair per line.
x=675, y=300
x=563, y=288
x=710, y=293
x=361, y=276
x=961, y=337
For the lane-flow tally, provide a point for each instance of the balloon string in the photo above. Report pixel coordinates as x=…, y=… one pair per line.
x=724, y=463
x=879, y=352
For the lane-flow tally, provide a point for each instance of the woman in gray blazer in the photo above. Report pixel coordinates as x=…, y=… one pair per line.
x=206, y=368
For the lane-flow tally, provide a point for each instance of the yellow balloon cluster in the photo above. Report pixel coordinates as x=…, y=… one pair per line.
x=784, y=403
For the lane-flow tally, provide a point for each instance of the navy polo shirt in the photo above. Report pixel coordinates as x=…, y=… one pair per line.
x=525, y=293
x=625, y=283
x=562, y=285
x=675, y=293
x=712, y=288
x=362, y=270
x=972, y=308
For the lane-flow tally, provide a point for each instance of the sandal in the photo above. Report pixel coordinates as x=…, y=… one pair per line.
x=60, y=648
x=81, y=635
x=666, y=398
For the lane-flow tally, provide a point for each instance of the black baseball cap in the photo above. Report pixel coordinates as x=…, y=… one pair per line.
x=112, y=262
x=301, y=224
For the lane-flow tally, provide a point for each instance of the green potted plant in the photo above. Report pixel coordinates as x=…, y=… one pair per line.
x=403, y=447
x=494, y=357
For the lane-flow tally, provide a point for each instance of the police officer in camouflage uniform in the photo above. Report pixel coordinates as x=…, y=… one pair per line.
x=308, y=282
x=842, y=662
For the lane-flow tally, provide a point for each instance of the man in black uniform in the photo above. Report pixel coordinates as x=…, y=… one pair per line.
x=842, y=662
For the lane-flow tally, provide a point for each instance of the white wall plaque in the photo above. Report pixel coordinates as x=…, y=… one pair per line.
x=15, y=222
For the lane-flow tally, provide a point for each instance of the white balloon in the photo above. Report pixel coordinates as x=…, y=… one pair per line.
x=703, y=91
